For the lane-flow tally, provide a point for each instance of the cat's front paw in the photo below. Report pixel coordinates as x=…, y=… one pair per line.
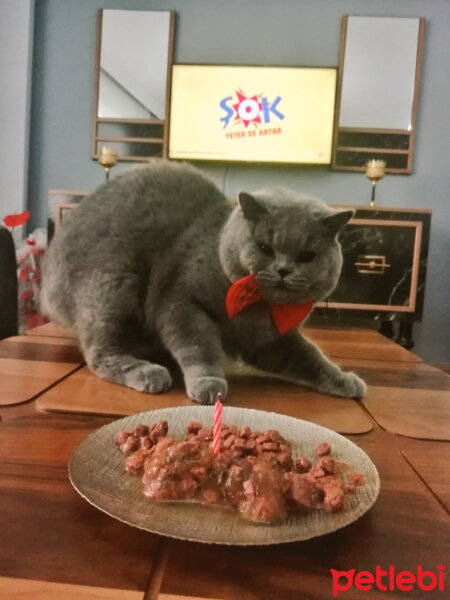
x=148, y=377
x=206, y=389
x=351, y=386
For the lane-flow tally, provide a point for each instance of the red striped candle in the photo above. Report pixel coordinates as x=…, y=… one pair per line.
x=217, y=425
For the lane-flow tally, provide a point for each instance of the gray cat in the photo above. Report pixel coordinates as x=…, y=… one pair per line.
x=141, y=269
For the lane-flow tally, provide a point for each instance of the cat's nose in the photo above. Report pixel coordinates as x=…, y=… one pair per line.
x=283, y=272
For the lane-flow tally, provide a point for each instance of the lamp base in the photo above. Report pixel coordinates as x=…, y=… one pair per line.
x=372, y=197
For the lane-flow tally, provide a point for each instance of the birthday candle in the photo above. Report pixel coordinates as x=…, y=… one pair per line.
x=217, y=425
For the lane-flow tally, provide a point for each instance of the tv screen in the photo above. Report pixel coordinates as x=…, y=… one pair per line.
x=257, y=114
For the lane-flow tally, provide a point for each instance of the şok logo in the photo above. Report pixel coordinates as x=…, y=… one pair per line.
x=254, y=109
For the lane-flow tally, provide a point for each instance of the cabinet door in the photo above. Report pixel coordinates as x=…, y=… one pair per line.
x=381, y=266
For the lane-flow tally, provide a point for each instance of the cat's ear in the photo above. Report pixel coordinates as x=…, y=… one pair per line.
x=251, y=208
x=335, y=222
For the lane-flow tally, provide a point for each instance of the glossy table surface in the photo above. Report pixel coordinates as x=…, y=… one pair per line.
x=56, y=545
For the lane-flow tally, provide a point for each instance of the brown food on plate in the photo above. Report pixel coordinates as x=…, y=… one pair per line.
x=323, y=449
x=253, y=474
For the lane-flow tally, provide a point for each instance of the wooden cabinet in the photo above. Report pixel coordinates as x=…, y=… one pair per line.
x=385, y=253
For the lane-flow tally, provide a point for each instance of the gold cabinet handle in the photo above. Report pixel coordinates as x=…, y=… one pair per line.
x=374, y=265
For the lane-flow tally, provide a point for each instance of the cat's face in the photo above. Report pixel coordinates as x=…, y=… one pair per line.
x=289, y=244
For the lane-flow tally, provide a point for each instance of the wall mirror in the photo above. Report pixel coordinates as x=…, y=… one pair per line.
x=133, y=66
x=378, y=89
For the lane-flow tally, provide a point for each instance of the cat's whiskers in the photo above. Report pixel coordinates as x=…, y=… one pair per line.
x=291, y=285
x=299, y=278
x=268, y=279
x=297, y=282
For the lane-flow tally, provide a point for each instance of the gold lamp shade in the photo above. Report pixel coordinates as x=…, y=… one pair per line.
x=107, y=158
x=375, y=170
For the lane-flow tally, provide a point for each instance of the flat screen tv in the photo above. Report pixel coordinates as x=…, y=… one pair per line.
x=252, y=114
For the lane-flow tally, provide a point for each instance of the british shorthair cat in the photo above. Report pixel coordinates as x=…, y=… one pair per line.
x=141, y=273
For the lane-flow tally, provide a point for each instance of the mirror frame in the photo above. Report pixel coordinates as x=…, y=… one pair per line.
x=158, y=144
x=360, y=149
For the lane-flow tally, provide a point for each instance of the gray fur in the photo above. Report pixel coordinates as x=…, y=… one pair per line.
x=140, y=271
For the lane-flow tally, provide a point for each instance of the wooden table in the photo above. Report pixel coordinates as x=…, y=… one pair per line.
x=56, y=545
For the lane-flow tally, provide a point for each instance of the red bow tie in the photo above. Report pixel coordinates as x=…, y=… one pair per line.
x=245, y=292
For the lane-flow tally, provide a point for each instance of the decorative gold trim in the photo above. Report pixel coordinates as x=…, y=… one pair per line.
x=367, y=150
x=381, y=209
x=165, y=148
x=337, y=107
x=80, y=193
x=96, y=83
x=380, y=131
x=415, y=104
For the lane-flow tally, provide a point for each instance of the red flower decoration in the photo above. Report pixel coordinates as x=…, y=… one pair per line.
x=26, y=295
x=24, y=272
x=37, y=252
x=16, y=220
x=36, y=278
x=35, y=320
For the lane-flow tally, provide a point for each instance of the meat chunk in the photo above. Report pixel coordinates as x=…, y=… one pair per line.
x=143, y=436
x=130, y=444
x=333, y=495
x=261, y=496
x=121, y=437
x=135, y=462
x=194, y=427
x=356, y=478
x=158, y=430
x=141, y=431
x=327, y=464
x=323, y=449
x=303, y=464
x=303, y=492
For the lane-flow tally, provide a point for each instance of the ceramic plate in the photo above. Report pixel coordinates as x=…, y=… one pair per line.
x=96, y=470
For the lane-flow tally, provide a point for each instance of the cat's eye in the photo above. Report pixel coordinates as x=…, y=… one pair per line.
x=265, y=249
x=306, y=256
